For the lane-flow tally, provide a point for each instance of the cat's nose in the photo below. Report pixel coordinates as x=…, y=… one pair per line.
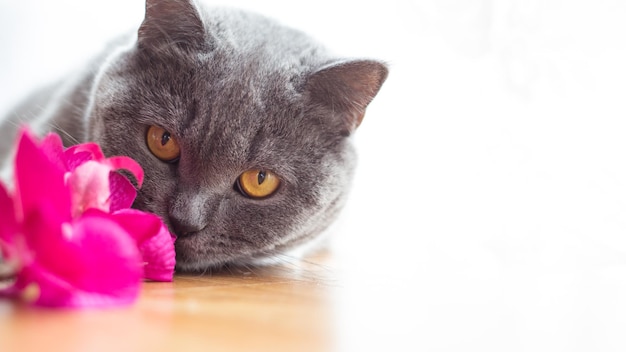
x=188, y=213
x=185, y=227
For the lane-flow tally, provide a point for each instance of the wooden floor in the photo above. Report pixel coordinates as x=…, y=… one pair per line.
x=280, y=308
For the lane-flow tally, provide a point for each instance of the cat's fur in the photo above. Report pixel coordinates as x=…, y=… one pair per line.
x=239, y=92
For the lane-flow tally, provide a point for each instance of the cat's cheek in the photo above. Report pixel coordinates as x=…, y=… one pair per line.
x=155, y=193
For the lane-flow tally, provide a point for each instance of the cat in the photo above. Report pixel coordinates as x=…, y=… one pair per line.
x=243, y=127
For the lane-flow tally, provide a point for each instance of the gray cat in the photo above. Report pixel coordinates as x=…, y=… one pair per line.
x=242, y=127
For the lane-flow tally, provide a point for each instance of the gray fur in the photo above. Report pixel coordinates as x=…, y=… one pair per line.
x=239, y=92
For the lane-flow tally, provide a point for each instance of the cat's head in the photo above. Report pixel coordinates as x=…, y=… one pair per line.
x=241, y=125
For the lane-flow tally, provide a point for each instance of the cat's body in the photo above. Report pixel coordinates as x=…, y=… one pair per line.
x=237, y=92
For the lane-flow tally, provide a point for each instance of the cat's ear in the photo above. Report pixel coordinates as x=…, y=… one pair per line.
x=172, y=24
x=346, y=88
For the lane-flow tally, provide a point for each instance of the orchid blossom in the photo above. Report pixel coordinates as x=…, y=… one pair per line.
x=67, y=230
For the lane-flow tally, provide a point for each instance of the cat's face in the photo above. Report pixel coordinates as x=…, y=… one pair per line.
x=242, y=128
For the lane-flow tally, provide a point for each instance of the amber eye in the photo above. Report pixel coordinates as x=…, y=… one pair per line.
x=162, y=144
x=258, y=184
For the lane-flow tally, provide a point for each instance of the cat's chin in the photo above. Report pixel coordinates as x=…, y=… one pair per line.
x=191, y=259
x=218, y=262
x=193, y=254
x=215, y=261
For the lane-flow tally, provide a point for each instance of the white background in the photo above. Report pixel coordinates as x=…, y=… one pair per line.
x=489, y=210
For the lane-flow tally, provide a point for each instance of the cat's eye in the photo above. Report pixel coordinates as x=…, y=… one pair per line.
x=162, y=144
x=258, y=184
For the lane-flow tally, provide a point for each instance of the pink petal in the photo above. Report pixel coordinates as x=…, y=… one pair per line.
x=8, y=225
x=159, y=255
x=91, y=262
x=93, y=149
x=156, y=244
x=126, y=163
x=43, y=240
x=140, y=225
x=38, y=178
x=89, y=184
x=73, y=160
x=38, y=286
x=81, y=153
x=123, y=192
x=52, y=147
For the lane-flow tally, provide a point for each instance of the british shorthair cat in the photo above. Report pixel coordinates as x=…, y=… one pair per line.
x=243, y=127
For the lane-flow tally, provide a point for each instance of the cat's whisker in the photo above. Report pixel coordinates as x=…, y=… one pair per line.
x=250, y=267
x=56, y=127
x=18, y=121
x=201, y=273
x=307, y=268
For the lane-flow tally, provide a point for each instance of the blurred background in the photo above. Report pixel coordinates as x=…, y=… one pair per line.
x=489, y=208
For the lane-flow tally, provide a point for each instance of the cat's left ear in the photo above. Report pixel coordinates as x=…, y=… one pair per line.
x=347, y=88
x=172, y=24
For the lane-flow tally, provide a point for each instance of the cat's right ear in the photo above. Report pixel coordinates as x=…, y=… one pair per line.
x=172, y=24
x=346, y=88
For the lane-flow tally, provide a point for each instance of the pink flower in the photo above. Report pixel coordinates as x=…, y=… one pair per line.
x=89, y=175
x=67, y=230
